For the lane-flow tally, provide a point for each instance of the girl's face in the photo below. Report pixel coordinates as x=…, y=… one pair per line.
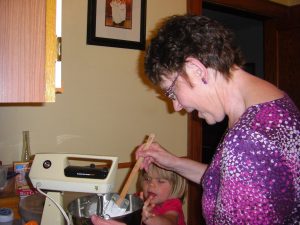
x=158, y=188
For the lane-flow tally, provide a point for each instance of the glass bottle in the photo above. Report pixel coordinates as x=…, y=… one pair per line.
x=26, y=154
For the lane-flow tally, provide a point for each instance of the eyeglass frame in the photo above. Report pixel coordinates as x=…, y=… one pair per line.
x=169, y=91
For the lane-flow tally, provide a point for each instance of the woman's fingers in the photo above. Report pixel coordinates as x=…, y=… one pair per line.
x=96, y=220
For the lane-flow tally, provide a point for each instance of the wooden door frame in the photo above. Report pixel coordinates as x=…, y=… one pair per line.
x=258, y=7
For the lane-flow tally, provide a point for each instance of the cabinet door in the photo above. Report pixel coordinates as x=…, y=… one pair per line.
x=23, y=51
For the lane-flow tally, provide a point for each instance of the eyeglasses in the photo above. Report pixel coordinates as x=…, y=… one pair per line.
x=170, y=92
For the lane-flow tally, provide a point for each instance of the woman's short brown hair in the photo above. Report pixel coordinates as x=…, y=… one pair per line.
x=186, y=36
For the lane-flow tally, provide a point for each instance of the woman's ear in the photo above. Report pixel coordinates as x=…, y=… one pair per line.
x=195, y=70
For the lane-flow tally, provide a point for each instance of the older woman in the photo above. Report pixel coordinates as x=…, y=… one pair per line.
x=254, y=175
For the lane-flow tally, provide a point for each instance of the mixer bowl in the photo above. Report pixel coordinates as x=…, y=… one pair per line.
x=81, y=209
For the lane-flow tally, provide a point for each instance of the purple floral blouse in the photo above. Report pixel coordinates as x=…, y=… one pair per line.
x=254, y=175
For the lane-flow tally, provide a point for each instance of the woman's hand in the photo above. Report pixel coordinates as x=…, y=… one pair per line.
x=100, y=221
x=156, y=154
x=191, y=170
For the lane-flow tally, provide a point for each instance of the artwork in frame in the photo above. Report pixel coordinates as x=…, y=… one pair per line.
x=117, y=23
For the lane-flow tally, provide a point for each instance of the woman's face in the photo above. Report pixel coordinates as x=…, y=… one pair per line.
x=200, y=96
x=158, y=188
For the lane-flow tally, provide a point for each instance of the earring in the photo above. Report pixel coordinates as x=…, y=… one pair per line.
x=204, y=81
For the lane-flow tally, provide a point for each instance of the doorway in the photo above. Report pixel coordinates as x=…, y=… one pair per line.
x=248, y=29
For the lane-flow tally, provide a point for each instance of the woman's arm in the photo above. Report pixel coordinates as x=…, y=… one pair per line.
x=187, y=168
x=190, y=169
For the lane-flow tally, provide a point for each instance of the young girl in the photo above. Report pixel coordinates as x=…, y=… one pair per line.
x=163, y=192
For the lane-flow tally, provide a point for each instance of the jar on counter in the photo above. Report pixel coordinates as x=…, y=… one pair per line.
x=6, y=216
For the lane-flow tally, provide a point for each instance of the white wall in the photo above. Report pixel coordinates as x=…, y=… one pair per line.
x=107, y=107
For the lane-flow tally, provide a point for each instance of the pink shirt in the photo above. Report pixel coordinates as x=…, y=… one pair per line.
x=171, y=205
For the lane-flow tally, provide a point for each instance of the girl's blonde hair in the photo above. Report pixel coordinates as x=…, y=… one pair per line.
x=177, y=182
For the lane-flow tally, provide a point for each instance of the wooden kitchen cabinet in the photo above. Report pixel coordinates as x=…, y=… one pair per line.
x=27, y=51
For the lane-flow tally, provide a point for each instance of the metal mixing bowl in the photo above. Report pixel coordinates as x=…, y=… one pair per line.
x=81, y=209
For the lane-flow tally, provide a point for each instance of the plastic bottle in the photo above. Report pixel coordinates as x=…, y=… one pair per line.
x=26, y=153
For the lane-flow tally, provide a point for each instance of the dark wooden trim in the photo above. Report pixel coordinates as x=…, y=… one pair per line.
x=194, y=7
x=194, y=153
x=125, y=165
x=193, y=145
x=294, y=16
x=288, y=45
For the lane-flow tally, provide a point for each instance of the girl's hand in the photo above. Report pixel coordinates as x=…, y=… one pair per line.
x=96, y=220
x=141, y=195
x=147, y=210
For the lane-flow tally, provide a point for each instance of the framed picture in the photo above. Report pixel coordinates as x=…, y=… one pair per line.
x=117, y=23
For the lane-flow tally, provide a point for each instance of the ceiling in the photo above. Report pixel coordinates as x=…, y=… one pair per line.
x=287, y=2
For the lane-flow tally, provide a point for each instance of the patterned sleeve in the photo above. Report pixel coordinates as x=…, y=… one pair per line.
x=257, y=184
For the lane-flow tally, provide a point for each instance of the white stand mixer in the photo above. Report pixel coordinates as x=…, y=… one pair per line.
x=54, y=172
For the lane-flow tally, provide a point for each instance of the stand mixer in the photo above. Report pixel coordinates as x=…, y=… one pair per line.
x=54, y=172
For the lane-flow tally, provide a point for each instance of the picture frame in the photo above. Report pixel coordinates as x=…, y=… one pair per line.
x=117, y=23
